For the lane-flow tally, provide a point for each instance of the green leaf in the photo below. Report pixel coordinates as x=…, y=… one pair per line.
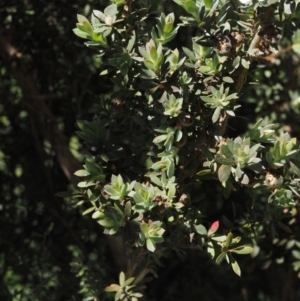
x=87, y=211
x=214, y=7
x=236, y=62
x=216, y=114
x=98, y=37
x=228, y=160
x=228, y=79
x=171, y=168
x=242, y=250
x=205, y=69
x=189, y=53
x=190, y=7
x=122, y=279
x=85, y=184
x=92, y=167
x=137, y=295
x=211, y=249
x=154, y=179
x=235, y=266
x=129, y=281
x=220, y=258
x=208, y=3
x=224, y=172
x=246, y=64
x=112, y=288
x=204, y=173
x=131, y=42
x=97, y=214
x=118, y=294
x=150, y=245
x=200, y=229
x=82, y=34
x=111, y=10
x=81, y=173
x=229, y=238
x=82, y=19
x=296, y=48
x=296, y=254
x=160, y=164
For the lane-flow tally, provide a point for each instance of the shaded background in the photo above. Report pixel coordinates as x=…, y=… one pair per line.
x=48, y=251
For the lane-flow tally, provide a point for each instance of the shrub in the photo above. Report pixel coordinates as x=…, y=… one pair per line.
x=166, y=171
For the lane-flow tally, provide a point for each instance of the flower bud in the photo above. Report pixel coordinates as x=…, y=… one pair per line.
x=109, y=20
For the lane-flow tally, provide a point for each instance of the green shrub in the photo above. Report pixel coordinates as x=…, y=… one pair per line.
x=167, y=171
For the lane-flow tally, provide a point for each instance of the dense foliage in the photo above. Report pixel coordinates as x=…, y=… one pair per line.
x=190, y=164
x=166, y=173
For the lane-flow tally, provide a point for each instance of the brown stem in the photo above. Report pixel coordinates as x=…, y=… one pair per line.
x=265, y=20
x=242, y=78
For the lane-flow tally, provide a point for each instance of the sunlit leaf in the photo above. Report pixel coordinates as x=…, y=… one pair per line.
x=122, y=278
x=150, y=245
x=235, y=266
x=81, y=173
x=87, y=211
x=112, y=288
x=224, y=172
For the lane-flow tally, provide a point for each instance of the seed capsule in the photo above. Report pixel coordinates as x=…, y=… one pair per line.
x=273, y=180
x=237, y=38
x=223, y=45
x=271, y=33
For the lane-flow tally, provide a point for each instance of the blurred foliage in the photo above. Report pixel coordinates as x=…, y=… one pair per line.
x=40, y=235
x=172, y=180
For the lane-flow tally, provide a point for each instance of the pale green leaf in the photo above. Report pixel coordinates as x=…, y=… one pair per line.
x=81, y=173
x=242, y=250
x=246, y=64
x=236, y=268
x=112, y=288
x=87, y=211
x=220, y=258
x=228, y=79
x=200, y=229
x=150, y=245
x=224, y=172
x=122, y=279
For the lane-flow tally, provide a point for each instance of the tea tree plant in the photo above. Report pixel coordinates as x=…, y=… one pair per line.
x=162, y=148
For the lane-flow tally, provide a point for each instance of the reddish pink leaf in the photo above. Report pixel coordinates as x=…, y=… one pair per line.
x=213, y=228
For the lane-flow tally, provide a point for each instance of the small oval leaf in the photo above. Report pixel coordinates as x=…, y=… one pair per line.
x=246, y=64
x=224, y=172
x=87, y=211
x=112, y=288
x=200, y=229
x=213, y=228
x=236, y=268
x=228, y=79
x=81, y=173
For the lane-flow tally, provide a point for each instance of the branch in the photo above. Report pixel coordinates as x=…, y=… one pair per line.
x=220, y=127
x=264, y=20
